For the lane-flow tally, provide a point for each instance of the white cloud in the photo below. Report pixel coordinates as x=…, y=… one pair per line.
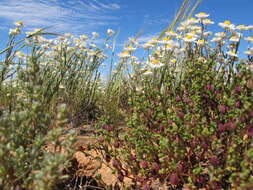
x=79, y=16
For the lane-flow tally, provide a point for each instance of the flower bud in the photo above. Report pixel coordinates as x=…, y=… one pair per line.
x=174, y=179
x=144, y=164
x=223, y=108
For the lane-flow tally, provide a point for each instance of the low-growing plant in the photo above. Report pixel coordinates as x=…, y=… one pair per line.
x=37, y=91
x=190, y=119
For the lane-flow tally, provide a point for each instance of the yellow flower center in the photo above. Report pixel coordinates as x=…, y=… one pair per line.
x=227, y=22
x=189, y=37
x=125, y=53
x=168, y=46
x=166, y=39
x=201, y=41
x=202, y=13
x=155, y=61
x=173, y=61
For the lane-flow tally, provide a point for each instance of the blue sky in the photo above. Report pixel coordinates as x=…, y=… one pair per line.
x=128, y=16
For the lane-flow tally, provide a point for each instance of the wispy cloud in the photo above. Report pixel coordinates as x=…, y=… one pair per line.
x=158, y=19
x=146, y=38
x=79, y=16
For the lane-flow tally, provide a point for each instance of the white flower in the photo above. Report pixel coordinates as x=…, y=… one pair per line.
x=130, y=48
x=61, y=86
x=133, y=41
x=68, y=35
x=248, y=52
x=201, y=42
x=124, y=54
x=19, y=23
x=147, y=72
x=202, y=15
x=93, y=45
x=242, y=27
x=147, y=45
x=95, y=34
x=249, y=39
x=192, y=21
x=232, y=54
x=189, y=38
x=195, y=27
x=220, y=34
x=184, y=26
x=83, y=37
x=250, y=27
x=155, y=63
x=207, y=34
x=207, y=22
x=227, y=25
x=154, y=41
x=171, y=33
x=173, y=61
x=235, y=38
x=216, y=39
x=37, y=30
x=20, y=54
x=15, y=31
x=110, y=32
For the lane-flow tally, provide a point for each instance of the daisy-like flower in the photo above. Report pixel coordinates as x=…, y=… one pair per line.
x=147, y=45
x=201, y=42
x=189, y=38
x=171, y=45
x=202, y=15
x=248, y=52
x=227, y=25
x=91, y=53
x=242, y=27
x=134, y=58
x=155, y=63
x=171, y=34
x=250, y=27
x=173, y=61
x=15, y=31
x=68, y=35
x=206, y=34
x=20, y=54
x=19, y=24
x=95, y=34
x=184, y=26
x=83, y=37
x=220, y=34
x=148, y=72
x=130, y=48
x=192, y=21
x=124, y=54
x=133, y=41
x=232, y=54
x=207, y=22
x=110, y=32
x=235, y=38
x=249, y=39
x=195, y=27
x=154, y=40
x=216, y=39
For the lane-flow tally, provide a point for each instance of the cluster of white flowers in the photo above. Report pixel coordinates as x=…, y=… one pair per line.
x=191, y=36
